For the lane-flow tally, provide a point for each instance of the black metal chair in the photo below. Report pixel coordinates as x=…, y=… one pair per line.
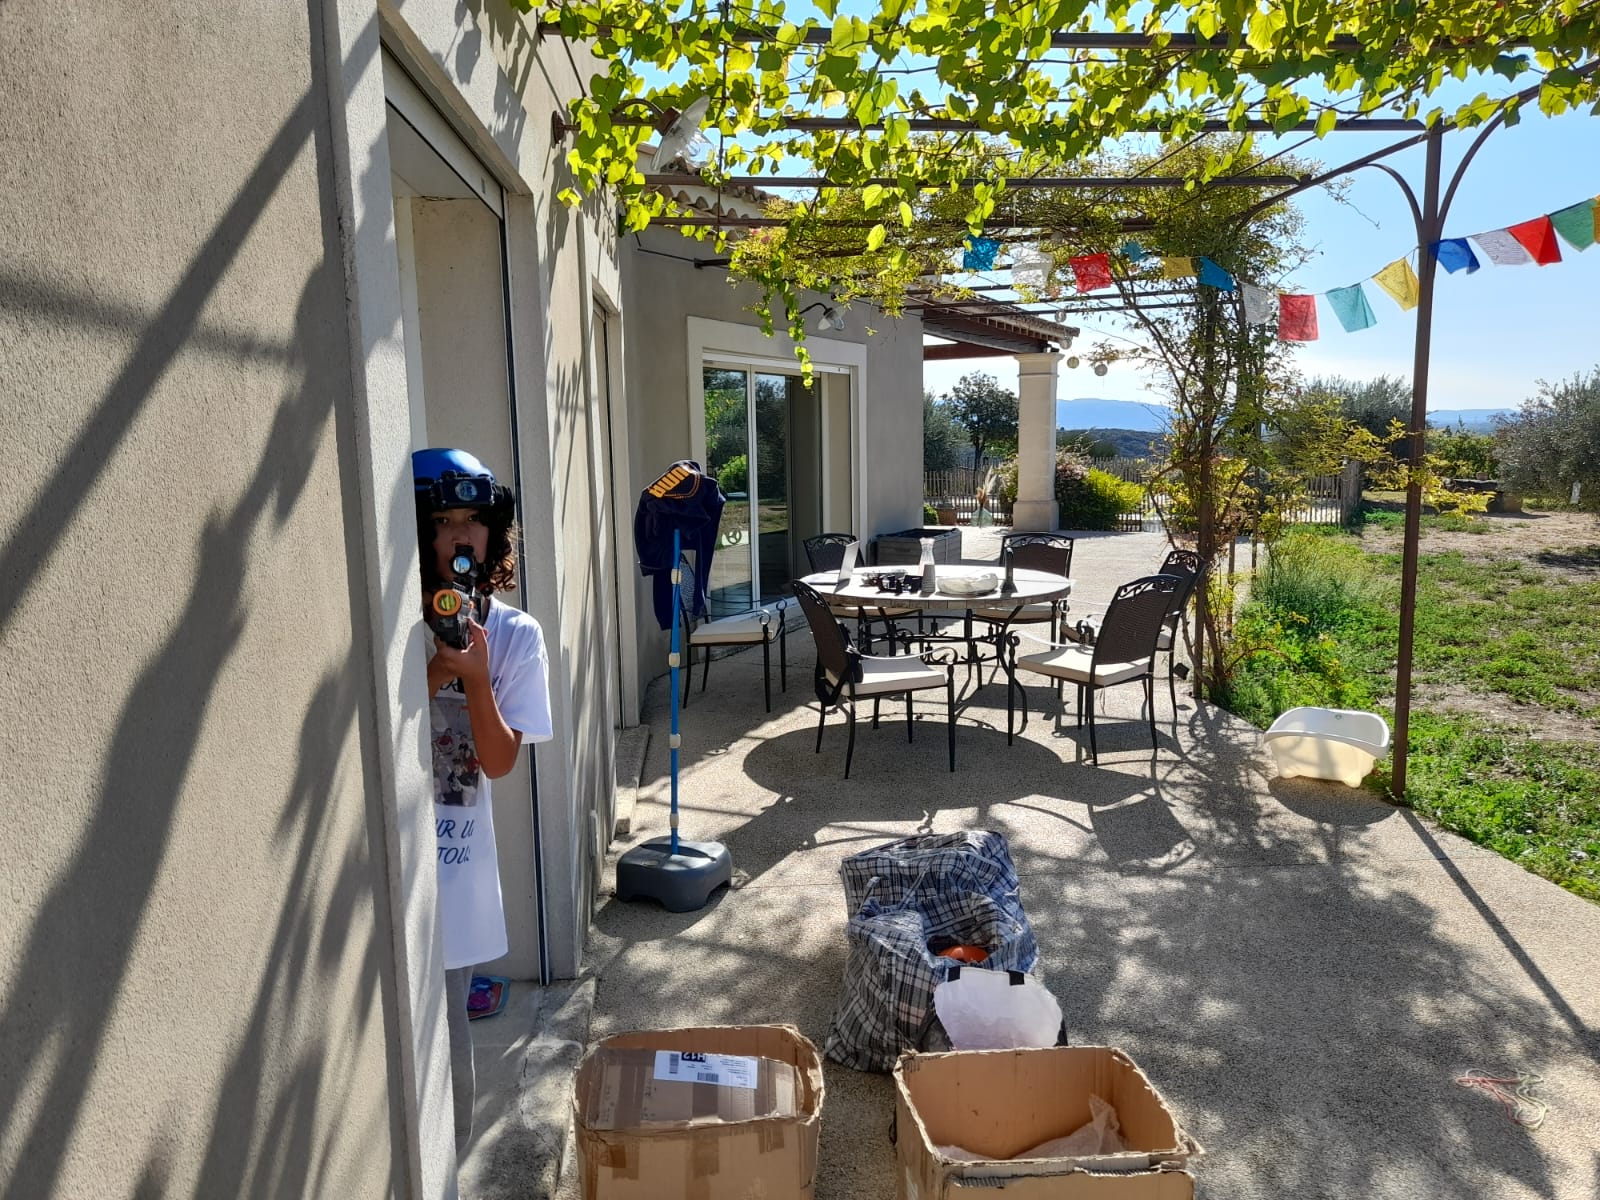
x=1050, y=552
x=1191, y=568
x=761, y=626
x=1123, y=650
x=825, y=552
x=845, y=675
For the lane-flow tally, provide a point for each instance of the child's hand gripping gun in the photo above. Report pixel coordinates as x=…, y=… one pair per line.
x=450, y=606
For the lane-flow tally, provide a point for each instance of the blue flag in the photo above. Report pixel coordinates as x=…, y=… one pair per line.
x=979, y=254
x=1350, y=305
x=1454, y=255
x=1214, y=275
x=1132, y=251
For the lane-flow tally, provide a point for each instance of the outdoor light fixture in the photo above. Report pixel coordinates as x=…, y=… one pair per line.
x=1073, y=362
x=831, y=317
x=1100, y=368
x=678, y=132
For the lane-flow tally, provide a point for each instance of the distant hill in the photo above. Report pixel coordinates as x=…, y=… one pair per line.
x=1129, y=443
x=1478, y=420
x=1111, y=414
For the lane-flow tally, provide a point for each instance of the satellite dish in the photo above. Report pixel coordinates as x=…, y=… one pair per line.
x=680, y=133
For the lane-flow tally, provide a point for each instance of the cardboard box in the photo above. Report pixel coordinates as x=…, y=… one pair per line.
x=743, y=1122
x=1002, y=1102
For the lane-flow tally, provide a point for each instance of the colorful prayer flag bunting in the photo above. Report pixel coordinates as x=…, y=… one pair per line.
x=1350, y=305
x=1214, y=276
x=1401, y=282
x=1578, y=224
x=1132, y=251
x=1538, y=238
x=1091, y=271
x=1177, y=268
x=1258, y=305
x=1502, y=248
x=1297, y=318
x=979, y=254
x=1455, y=254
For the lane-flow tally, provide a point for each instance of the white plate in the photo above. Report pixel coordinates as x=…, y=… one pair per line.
x=969, y=585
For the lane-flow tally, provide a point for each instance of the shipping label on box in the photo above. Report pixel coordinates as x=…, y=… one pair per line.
x=636, y=1088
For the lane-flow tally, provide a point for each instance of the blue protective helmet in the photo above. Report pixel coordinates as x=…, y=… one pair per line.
x=452, y=479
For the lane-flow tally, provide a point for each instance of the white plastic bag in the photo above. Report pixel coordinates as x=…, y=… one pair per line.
x=1100, y=1136
x=996, y=1010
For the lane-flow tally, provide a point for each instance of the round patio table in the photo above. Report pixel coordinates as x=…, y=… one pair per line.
x=998, y=608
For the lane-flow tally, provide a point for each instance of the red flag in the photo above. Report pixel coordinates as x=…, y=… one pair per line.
x=1297, y=318
x=1538, y=237
x=1092, y=271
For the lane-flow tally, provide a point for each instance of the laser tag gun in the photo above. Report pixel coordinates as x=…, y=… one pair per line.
x=451, y=605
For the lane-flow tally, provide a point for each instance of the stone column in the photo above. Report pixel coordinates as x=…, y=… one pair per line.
x=1035, y=509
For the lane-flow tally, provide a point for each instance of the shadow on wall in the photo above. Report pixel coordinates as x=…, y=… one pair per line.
x=286, y=1089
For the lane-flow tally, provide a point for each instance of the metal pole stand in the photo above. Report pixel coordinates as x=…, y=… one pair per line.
x=680, y=875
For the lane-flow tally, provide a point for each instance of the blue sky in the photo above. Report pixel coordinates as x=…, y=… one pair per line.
x=1496, y=332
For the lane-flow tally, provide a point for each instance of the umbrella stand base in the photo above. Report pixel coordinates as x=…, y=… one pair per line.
x=680, y=882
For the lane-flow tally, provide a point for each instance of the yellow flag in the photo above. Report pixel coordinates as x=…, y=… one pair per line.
x=1177, y=268
x=1400, y=281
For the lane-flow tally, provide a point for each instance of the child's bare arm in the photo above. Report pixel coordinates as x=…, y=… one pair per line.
x=495, y=741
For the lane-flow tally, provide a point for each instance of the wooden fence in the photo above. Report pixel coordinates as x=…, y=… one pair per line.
x=1332, y=499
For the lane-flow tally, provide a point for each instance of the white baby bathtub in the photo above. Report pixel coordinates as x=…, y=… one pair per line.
x=1327, y=743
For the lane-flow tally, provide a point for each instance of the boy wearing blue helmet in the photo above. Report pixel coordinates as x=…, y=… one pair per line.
x=488, y=694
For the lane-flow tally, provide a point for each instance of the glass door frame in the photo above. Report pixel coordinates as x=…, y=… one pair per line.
x=745, y=348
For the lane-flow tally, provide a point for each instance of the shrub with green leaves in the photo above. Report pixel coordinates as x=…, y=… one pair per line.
x=1095, y=499
x=735, y=474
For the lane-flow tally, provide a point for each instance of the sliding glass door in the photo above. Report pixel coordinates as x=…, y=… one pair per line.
x=764, y=445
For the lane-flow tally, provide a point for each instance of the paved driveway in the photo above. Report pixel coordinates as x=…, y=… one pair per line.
x=1300, y=968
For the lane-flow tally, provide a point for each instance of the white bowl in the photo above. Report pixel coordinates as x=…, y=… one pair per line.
x=969, y=585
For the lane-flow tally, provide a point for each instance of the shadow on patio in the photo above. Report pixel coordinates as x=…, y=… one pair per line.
x=1300, y=968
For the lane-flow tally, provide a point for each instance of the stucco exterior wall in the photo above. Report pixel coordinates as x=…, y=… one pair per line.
x=482, y=65
x=194, y=999
x=662, y=289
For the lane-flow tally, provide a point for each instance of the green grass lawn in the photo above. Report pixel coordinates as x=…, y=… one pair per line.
x=1506, y=705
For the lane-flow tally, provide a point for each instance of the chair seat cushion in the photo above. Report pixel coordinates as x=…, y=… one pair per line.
x=1164, y=642
x=1077, y=664
x=738, y=630
x=906, y=673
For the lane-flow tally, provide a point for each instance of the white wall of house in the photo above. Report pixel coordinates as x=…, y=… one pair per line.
x=877, y=404
x=203, y=983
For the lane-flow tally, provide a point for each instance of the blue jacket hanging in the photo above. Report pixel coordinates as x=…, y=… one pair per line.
x=685, y=498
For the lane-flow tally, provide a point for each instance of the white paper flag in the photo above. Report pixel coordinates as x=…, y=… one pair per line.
x=1503, y=249
x=1030, y=268
x=1260, y=307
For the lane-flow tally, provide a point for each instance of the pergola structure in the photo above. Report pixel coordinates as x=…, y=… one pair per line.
x=982, y=326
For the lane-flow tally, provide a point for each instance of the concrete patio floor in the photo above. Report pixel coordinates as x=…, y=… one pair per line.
x=1300, y=968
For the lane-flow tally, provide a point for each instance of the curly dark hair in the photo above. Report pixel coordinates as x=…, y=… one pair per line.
x=500, y=569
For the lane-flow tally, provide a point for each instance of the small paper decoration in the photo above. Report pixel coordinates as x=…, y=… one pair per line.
x=1132, y=251
x=1091, y=271
x=1401, y=282
x=1577, y=224
x=1297, y=318
x=1538, y=238
x=1455, y=254
x=979, y=254
x=1350, y=305
x=1030, y=268
x=1503, y=249
x=1259, y=308
x=1214, y=276
x=1177, y=268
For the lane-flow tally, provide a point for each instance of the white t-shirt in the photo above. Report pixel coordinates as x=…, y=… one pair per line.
x=469, y=876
